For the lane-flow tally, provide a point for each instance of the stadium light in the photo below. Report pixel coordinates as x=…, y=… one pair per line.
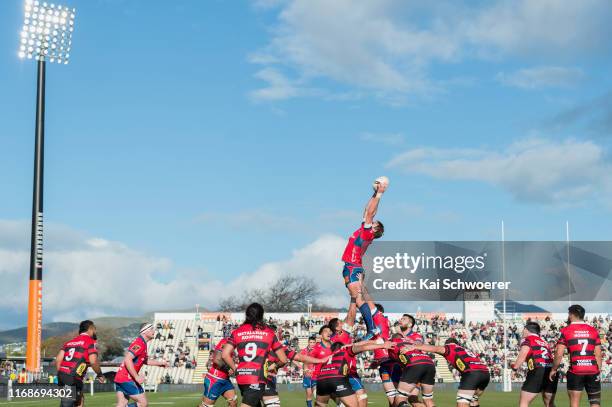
x=46, y=36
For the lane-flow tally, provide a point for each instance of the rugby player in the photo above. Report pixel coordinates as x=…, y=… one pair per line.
x=536, y=352
x=341, y=334
x=321, y=350
x=584, y=347
x=333, y=379
x=270, y=397
x=474, y=372
x=307, y=368
x=418, y=372
x=406, y=324
x=74, y=358
x=217, y=381
x=253, y=341
x=128, y=381
x=353, y=257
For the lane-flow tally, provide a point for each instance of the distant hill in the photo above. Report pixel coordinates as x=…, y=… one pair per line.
x=48, y=330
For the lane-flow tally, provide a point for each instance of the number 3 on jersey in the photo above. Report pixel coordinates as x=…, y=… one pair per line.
x=250, y=351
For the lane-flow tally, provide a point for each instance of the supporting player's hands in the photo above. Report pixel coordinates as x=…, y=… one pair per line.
x=140, y=379
x=552, y=374
x=408, y=348
x=101, y=378
x=389, y=345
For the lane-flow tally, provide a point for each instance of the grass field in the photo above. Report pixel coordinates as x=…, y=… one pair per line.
x=296, y=399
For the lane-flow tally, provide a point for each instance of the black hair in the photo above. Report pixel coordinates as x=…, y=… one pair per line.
x=577, y=311
x=254, y=315
x=533, y=327
x=380, y=308
x=380, y=231
x=411, y=318
x=323, y=328
x=312, y=338
x=333, y=324
x=336, y=345
x=451, y=340
x=85, y=325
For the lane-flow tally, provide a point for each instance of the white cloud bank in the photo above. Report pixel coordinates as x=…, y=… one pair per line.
x=89, y=276
x=532, y=170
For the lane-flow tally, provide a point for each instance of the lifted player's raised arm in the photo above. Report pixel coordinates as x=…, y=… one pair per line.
x=372, y=205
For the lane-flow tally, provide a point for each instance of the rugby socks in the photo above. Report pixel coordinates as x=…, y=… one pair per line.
x=366, y=313
x=309, y=403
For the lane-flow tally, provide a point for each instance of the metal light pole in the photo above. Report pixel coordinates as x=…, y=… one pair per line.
x=46, y=36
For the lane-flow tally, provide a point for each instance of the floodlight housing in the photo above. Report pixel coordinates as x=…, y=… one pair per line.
x=47, y=32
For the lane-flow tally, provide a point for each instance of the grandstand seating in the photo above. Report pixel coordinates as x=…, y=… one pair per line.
x=484, y=339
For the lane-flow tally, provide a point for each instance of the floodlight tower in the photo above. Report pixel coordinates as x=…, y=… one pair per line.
x=46, y=36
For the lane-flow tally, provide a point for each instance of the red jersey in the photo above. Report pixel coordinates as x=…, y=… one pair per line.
x=411, y=358
x=216, y=371
x=382, y=322
x=76, y=355
x=462, y=359
x=357, y=245
x=138, y=349
x=273, y=359
x=338, y=366
x=345, y=338
x=308, y=367
x=539, y=352
x=320, y=351
x=580, y=339
x=253, y=346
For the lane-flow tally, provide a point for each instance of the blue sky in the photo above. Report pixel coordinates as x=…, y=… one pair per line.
x=206, y=141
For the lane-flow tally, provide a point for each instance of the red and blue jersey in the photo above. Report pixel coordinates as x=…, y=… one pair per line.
x=382, y=322
x=138, y=350
x=216, y=371
x=358, y=244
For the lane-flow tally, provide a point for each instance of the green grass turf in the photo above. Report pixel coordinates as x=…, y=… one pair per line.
x=443, y=398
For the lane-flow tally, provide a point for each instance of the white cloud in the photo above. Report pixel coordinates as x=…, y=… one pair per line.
x=386, y=47
x=94, y=276
x=534, y=170
x=541, y=77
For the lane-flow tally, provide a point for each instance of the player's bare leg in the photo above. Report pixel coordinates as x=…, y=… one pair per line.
x=121, y=400
x=465, y=398
x=362, y=397
x=140, y=399
x=526, y=397
x=322, y=401
x=548, y=399
x=309, y=397
x=574, y=397
x=427, y=395
x=350, y=401
x=407, y=393
x=476, y=398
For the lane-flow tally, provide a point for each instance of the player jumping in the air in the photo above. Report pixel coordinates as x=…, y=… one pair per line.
x=253, y=341
x=128, y=381
x=474, y=372
x=217, y=381
x=536, y=352
x=356, y=247
x=307, y=381
x=584, y=347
